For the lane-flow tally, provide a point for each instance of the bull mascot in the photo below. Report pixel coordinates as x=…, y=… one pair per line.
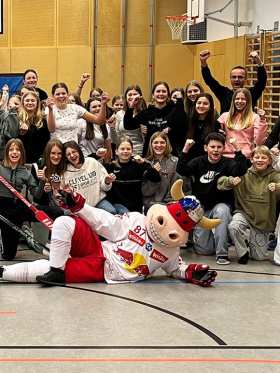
x=135, y=245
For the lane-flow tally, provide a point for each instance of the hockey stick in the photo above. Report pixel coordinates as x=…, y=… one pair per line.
x=40, y=215
x=37, y=247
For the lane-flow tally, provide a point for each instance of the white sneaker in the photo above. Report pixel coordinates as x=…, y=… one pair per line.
x=222, y=260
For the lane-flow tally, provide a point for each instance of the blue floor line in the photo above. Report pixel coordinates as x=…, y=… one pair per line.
x=174, y=282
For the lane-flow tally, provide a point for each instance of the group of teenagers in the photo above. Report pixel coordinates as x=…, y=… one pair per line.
x=125, y=157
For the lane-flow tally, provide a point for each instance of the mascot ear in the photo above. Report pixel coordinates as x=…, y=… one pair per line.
x=177, y=194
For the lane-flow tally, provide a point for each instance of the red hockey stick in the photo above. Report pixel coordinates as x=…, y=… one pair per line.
x=40, y=215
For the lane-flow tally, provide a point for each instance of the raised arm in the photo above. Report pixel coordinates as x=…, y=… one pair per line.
x=260, y=127
x=212, y=83
x=50, y=117
x=259, y=86
x=131, y=122
x=99, y=118
x=84, y=78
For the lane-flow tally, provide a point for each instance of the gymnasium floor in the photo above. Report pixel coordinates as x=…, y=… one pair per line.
x=153, y=326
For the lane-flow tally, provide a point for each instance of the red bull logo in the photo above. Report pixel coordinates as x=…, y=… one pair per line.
x=134, y=263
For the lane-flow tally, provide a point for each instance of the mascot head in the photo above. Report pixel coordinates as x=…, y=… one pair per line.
x=169, y=225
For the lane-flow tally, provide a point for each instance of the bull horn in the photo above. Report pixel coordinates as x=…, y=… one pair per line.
x=177, y=190
x=208, y=223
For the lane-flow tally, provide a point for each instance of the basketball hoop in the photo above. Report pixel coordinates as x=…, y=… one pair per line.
x=176, y=24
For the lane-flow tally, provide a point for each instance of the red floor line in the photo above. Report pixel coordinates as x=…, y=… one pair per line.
x=7, y=313
x=136, y=359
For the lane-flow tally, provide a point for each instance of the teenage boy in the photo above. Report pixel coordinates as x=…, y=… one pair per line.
x=204, y=172
x=255, y=200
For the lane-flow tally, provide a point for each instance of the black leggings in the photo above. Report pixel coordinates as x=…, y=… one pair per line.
x=17, y=213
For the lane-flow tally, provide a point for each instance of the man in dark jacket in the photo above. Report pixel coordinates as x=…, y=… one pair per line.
x=204, y=172
x=237, y=80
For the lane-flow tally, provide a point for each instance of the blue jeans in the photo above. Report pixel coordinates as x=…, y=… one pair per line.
x=209, y=242
x=114, y=209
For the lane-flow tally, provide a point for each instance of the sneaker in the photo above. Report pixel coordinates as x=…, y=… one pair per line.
x=55, y=276
x=222, y=260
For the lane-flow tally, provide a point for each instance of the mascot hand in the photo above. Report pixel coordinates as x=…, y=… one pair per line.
x=70, y=200
x=199, y=274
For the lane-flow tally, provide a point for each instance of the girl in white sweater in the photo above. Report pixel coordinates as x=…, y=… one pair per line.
x=87, y=176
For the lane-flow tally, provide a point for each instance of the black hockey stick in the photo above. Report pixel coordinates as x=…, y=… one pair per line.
x=37, y=246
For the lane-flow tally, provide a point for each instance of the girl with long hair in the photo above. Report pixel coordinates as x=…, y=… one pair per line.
x=14, y=171
x=87, y=176
x=52, y=164
x=62, y=117
x=242, y=126
x=94, y=139
x=192, y=90
x=125, y=194
x=33, y=129
x=162, y=115
x=136, y=135
x=161, y=158
x=202, y=122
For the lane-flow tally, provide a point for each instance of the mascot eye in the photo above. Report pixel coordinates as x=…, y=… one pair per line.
x=173, y=236
x=160, y=220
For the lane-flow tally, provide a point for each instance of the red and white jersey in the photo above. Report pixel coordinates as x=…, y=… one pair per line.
x=130, y=254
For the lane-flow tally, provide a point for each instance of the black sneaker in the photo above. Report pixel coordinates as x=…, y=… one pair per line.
x=55, y=276
x=244, y=258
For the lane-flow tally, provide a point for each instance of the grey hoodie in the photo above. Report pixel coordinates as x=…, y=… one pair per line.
x=18, y=178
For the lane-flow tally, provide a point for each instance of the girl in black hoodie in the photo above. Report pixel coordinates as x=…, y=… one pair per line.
x=125, y=194
x=162, y=115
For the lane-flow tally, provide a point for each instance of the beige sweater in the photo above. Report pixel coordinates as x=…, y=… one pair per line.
x=88, y=180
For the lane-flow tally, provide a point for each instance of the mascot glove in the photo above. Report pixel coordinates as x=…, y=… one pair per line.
x=199, y=274
x=71, y=201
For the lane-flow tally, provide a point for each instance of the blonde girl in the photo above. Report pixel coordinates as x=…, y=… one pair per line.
x=242, y=126
x=33, y=127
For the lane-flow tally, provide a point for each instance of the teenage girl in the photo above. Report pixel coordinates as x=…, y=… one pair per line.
x=162, y=115
x=62, y=117
x=177, y=93
x=51, y=164
x=201, y=123
x=125, y=194
x=33, y=129
x=14, y=171
x=94, y=139
x=136, y=135
x=159, y=155
x=242, y=126
x=117, y=103
x=86, y=176
x=193, y=89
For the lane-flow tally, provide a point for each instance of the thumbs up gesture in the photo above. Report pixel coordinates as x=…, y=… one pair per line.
x=41, y=174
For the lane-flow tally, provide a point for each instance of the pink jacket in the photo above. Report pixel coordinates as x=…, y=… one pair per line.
x=246, y=138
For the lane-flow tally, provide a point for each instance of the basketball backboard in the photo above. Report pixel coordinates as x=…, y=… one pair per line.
x=195, y=8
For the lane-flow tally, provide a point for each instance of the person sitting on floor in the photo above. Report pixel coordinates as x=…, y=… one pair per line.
x=255, y=195
x=205, y=171
x=135, y=247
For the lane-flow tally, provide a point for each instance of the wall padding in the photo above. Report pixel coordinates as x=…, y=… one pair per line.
x=33, y=23
x=74, y=22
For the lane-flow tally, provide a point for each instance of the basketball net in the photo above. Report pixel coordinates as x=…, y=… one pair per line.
x=176, y=24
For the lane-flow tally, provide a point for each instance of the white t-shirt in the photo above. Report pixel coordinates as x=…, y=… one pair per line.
x=91, y=146
x=66, y=122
